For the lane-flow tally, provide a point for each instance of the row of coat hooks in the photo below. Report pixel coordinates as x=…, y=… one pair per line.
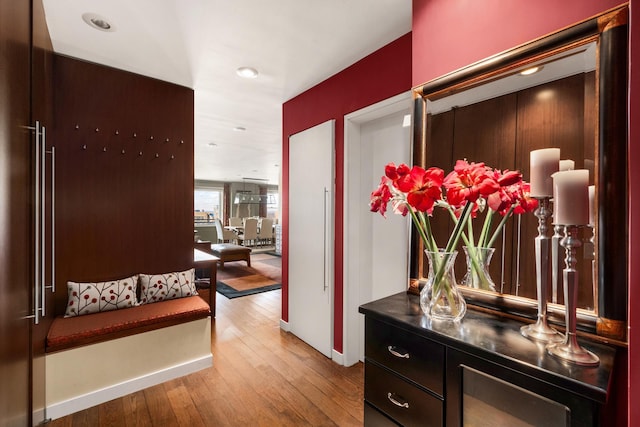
x=133, y=135
x=140, y=153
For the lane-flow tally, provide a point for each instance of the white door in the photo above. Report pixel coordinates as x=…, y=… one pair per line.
x=376, y=249
x=311, y=242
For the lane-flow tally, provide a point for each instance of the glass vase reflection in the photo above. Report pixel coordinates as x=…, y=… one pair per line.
x=478, y=261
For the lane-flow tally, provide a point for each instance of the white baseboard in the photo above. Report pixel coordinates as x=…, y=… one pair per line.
x=337, y=357
x=79, y=403
x=284, y=326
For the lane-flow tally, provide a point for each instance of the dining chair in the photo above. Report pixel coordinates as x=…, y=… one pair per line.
x=235, y=221
x=265, y=233
x=249, y=234
x=225, y=235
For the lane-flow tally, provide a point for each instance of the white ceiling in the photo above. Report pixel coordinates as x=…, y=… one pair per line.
x=294, y=44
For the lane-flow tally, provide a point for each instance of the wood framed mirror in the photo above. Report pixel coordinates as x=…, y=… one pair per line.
x=488, y=112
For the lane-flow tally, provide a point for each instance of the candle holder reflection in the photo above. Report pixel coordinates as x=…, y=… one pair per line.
x=570, y=350
x=541, y=331
x=555, y=262
x=591, y=254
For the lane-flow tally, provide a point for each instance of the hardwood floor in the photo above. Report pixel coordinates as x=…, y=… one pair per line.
x=261, y=376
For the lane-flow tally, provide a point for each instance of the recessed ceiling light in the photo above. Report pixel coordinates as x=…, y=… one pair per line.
x=212, y=144
x=239, y=129
x=98, y=22
x=531, y=70
x=247, y=72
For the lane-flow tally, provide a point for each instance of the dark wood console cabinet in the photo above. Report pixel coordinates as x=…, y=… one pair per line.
x=480, y=372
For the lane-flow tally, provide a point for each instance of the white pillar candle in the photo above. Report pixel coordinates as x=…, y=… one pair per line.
x=544, y=163
x=592, y=205
x=567, y=165
x=571, y=198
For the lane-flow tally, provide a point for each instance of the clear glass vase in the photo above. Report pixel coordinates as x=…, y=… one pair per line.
x=478, y=261
x=440, y=299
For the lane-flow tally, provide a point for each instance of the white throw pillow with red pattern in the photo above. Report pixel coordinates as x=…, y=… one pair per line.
x=160, y=287
x=94, y=297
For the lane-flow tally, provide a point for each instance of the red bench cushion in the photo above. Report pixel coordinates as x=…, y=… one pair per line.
x=69, y=332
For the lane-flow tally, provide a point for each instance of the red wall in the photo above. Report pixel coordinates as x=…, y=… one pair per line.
x=450, y=34
x=381, y=75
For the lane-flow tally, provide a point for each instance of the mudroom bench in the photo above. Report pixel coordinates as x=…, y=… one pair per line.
x=93, y=358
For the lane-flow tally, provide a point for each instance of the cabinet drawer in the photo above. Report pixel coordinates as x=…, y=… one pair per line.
x=419, y=359
x=400, y=400
x=375, y=418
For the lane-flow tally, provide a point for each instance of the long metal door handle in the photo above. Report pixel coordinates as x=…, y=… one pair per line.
x=395, y=399
x=36, y=215
x=43, y=220
x=53, y=219
x=324, y=239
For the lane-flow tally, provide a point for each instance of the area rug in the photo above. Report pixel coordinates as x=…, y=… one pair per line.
x=235, y=279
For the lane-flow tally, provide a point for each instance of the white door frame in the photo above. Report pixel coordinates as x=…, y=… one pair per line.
x=353, y=241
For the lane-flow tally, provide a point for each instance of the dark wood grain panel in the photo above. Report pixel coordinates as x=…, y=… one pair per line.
x=15, y=213
x=551, y=115
x=124, y=176
x=439, y=153
x=486, y=132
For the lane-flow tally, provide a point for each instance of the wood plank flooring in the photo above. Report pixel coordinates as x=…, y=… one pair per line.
x=261, y=376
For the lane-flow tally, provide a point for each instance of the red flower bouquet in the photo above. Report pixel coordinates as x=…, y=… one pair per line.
x=465, y=191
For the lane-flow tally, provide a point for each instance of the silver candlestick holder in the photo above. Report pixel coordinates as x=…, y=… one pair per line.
x=555, y=261
x=592, y=255
x=541, y=331
x=570, y=350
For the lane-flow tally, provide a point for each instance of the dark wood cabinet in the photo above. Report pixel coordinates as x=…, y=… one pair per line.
x=478, y=372
x=15, y=303
x=42, y=113
x=25, y=88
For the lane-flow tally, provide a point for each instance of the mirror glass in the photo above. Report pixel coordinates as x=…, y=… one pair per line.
x=544, y=102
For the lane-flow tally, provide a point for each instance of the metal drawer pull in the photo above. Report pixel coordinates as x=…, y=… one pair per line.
x=394, y=399
x=394, y=350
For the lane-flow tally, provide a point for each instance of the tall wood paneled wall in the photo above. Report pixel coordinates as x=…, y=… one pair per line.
x=501, y=132
x=124, y=174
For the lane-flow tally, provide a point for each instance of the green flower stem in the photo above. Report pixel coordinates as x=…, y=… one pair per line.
x=471, y=248
x=470, y=235
x=441, y=283
x=485, y=229
x=423, y=224
x=420, y=225
x=499, y=228
x=448, y=294
x=457, y=231
x=474, y=255
x=427, y=226
x=451, y=244
x=478, y=274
